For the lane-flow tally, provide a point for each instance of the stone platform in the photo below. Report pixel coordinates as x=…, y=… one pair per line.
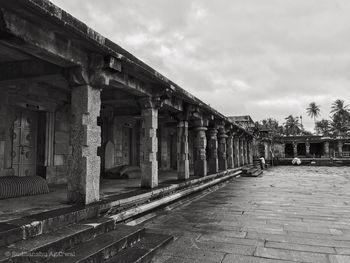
x=291, y=214
x=57, y=198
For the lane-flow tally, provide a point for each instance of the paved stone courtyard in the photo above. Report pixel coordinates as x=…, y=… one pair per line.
x=291, y=214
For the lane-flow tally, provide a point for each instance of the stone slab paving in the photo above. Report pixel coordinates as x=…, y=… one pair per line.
x=291, y=214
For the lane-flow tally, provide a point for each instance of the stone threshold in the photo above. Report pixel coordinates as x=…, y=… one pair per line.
x=116, y=209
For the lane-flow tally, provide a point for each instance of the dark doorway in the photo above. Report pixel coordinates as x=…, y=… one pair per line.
x=301, y=149
x=316, y=150
x=288, y=151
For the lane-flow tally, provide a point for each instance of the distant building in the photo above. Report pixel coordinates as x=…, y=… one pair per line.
x=312, y=148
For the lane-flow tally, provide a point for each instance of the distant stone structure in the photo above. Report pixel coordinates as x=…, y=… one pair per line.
x=312, y=146
x=68, y=96
x=244, y=121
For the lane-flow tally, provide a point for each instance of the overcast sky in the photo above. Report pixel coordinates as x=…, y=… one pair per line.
x=265, y=58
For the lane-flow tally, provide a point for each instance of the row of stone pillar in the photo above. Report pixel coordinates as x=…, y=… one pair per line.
x=225, y=151
x=325, y=148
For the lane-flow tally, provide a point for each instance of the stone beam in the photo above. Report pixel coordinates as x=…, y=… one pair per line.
x=28, y=70
x=40, y=41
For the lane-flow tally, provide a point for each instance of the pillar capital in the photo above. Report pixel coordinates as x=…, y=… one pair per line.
x=80, y=76
x=200, y=123
x=150, y=102
x=213, y=132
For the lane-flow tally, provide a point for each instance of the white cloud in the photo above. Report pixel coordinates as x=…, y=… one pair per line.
x=265, y=58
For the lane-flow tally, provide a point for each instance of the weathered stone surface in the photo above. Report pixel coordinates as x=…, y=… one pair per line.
x=339, y=259
x=200, y=157
x=222, y=150
x=291, y=255
x=183, y=164
x=213, y=161
x=291, y=214
x=84, y=174
x=149, y=147
x=236, y=151
x=230, y=151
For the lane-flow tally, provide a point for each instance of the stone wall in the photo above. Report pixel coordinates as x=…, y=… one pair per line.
x=57, y=173
x=125, y=141
x=278, y=150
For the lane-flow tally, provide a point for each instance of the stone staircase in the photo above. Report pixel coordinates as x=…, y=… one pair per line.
x=97, y=240
x=253, y=170
x=96, y=232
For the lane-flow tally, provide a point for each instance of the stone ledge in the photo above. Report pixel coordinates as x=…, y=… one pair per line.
x=46, y=222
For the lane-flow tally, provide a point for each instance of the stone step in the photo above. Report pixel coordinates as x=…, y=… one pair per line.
x=45, y=222
x=253, y=172
x=50, y=221
x=102, y=247
x=59, y=240
x=143, y=251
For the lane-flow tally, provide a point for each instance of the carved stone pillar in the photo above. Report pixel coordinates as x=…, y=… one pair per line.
x=245, y=147
x=149, y=142
x=236, y=151
x=200, y=157
x=250, y=152
x=213, y=161
x=241, y=152
x=230, y=153
x=84, y=173
x=183, y=166
x=222, y=150
x=326, y=149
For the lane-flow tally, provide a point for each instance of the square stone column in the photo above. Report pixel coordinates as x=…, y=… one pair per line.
x=230, y=153
x=213, y=161
x=183, y=165
x=84, y=169
x=200, y=156
x=222, y=151
x=149, y=147
x=236, y=151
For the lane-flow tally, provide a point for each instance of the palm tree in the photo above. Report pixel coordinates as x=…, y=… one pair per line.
x=341, y=118
x=313, y=110
x=323, y=127
x=292, y=125
x=339, y=107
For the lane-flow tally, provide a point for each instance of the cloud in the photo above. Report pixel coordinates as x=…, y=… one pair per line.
x=264, y=58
